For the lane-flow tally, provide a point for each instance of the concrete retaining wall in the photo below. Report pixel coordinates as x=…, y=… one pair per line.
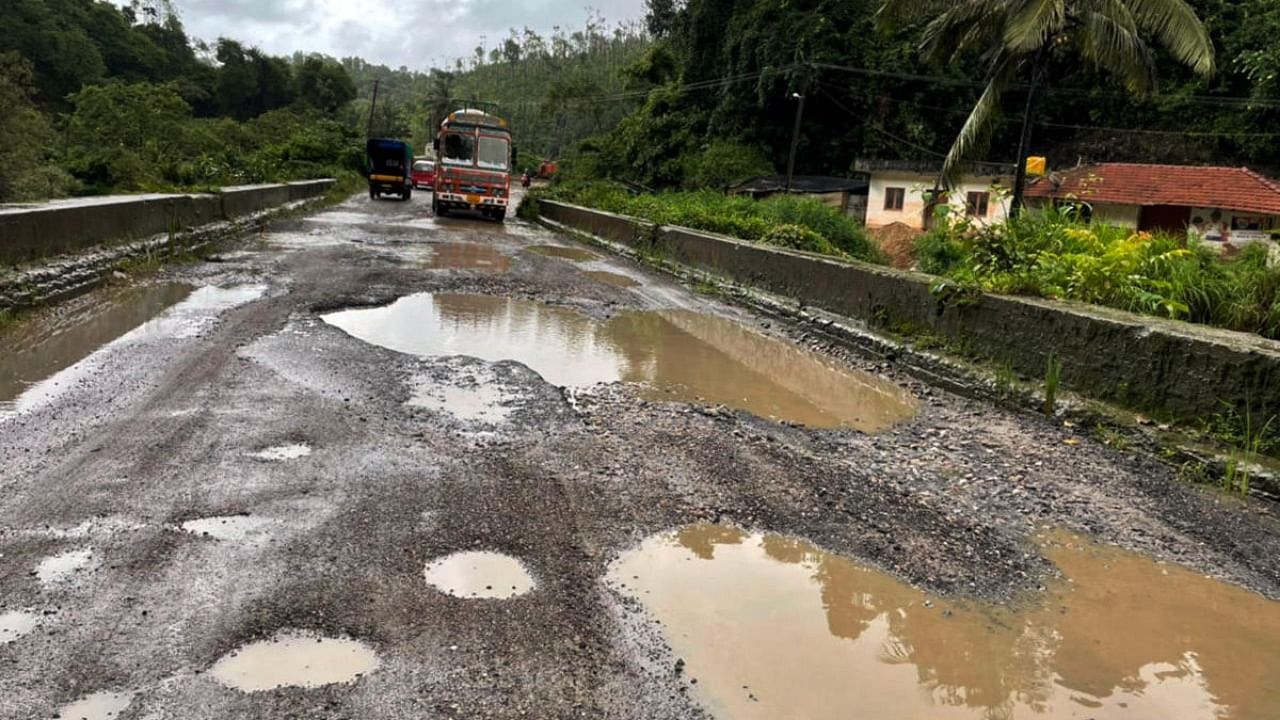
x=1171, y=368
x=30, y=233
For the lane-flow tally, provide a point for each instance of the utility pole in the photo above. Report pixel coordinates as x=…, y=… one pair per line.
x=373, y=104
x=795, y=139
x=1024, y=137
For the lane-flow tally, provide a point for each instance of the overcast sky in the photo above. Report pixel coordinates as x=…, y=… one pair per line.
x=415, y=33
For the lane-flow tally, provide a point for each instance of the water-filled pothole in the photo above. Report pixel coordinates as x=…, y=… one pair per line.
x=281, y=453
x=614, y=279
x=295, y=659
x=485, y=575
x=231, y=528
x=16, y=623
x=105, y=705
x=468, y=256
x=47, y=344
x=676, y=355
x=62, y=566
x=564, y=253
x=773, y=627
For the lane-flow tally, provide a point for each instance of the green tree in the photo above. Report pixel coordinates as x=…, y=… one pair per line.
x=660, y=18
x=1022, y=40
x=126, y=136
x=26, y=172
x=324, y=85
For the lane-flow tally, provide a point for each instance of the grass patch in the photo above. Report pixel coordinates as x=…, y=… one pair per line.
x=784, y=221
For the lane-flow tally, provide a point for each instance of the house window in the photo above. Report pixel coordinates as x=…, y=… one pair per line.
x=976, y=204
x=894, y=198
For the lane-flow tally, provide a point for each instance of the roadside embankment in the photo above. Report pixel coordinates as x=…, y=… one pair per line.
x=62, y=247
x=1175, y=370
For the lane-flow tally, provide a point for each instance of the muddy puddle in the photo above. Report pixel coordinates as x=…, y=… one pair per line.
x=61, y=567
x=283, y=453
x=482, y=575
x=613, y=279
x=231, y=528
x=15, y=624
x=774, y=627
x=563, y=253
x=104, y=705
x=295, y=659
x=675, y=355
x=468, y=256
x=36, y=350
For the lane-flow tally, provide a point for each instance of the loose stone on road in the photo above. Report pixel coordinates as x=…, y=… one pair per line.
x=373, y=464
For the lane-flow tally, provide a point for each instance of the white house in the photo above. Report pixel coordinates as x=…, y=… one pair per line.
x=901, y=191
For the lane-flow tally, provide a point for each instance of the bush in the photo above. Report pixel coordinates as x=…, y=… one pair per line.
x=1054, y=254
x=808, y=223
x=722, y=165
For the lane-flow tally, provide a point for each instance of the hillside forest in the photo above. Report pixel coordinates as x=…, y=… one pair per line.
x=99, y=98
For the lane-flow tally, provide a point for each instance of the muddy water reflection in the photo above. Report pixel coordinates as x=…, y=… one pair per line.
x=38, y=349
x=774, y=627
x=294, y=659
x=677, y=355
x=564, y=253
x=468, y=256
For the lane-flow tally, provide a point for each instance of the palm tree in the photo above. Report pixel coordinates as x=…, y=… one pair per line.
x=1019, y=38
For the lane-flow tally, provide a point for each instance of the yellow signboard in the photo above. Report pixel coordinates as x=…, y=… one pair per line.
x=1037, y=166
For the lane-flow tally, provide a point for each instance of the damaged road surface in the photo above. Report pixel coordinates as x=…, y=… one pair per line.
x=372, y=464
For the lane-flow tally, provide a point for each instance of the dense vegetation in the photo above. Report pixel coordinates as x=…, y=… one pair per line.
x=100, y=98
x=786, y=221
x=722, y=72
x=1055, y=254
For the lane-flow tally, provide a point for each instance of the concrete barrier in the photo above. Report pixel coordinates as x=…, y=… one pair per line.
x=33, y=232
x=1178, y=370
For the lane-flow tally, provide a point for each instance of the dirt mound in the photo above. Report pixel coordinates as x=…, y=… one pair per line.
x=898, y=240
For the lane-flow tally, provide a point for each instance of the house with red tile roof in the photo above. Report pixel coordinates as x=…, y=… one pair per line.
x=1220, y=204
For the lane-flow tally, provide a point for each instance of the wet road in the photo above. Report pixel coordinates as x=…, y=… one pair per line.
x=370, y=464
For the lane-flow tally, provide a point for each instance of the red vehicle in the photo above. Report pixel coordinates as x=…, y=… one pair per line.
x=424, y=174
x=473, y=165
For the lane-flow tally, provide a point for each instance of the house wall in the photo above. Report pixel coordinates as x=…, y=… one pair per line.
x=916, y=185
x=1121, y=215
x=1236, y=228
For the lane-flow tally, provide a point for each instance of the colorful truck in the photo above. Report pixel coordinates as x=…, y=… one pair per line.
x=474, y=157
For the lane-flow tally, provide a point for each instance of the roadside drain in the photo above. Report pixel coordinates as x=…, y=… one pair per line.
x=676, y=355
x=281, y=453
x=480, y=575
x=613, y=279
x=38, y=349
x=61, y=567
x=98, y=706
x=231, y=528
x=564, y=253
x=15, y=623
x=294, y=659
x=770, y=627
x=468, y=256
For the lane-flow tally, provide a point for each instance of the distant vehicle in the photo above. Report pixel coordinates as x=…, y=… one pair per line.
x=548, y=169
x=474, y=158
x=390, y=164
x=424, y=175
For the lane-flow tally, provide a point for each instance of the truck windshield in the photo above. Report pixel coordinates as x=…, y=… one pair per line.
x=494, y=154
x=458, y=149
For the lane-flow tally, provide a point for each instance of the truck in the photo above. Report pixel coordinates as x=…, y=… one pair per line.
x=390, y=168
x=474, y=157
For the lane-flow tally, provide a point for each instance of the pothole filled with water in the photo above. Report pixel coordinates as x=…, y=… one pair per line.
x=772, y=627
x=481, y=575
x=60, y=568
x=468, y=256
x=563, y=253
x=15, y=624
x=231, y=528
x=47, y=344
x=295, y=659
x=675, y=355
x=481, y=403
x=614, y=279
x=282, y=453
x=105, y=705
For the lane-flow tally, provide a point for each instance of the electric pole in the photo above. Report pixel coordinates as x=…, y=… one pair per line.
x=795, y=139
x=373, y=104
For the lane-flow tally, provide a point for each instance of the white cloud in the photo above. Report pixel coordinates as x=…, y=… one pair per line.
x=416, y=33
